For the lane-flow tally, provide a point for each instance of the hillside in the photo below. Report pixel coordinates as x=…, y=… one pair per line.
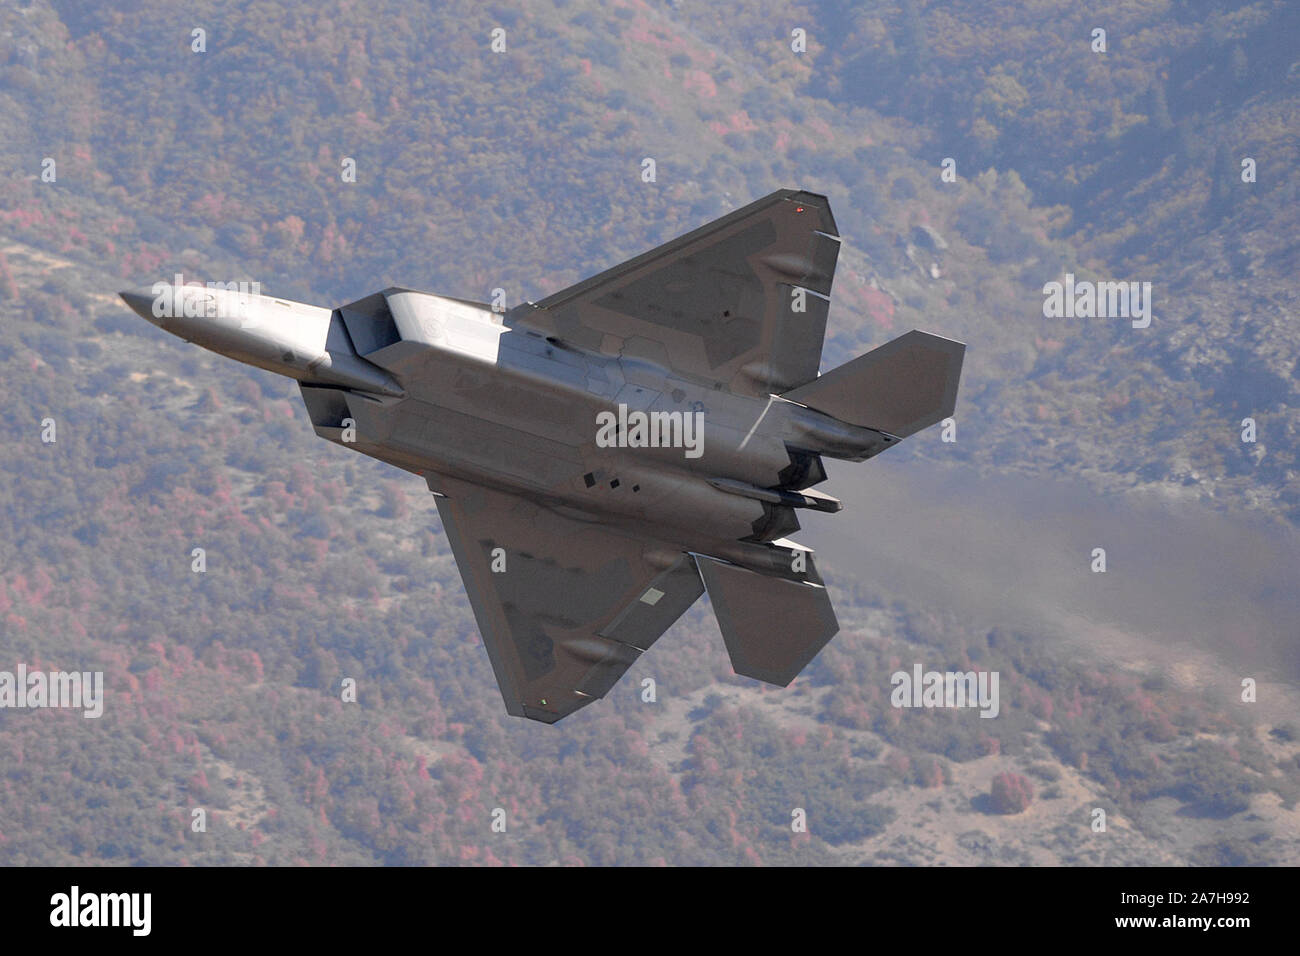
x=523, y=170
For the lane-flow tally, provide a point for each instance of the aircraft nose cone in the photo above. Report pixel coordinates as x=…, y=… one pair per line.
x=141, y=302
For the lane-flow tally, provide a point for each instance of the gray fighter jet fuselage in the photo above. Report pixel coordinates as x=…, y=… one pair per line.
x=603, y=456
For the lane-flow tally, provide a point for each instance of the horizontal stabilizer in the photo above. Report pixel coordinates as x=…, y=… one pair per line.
x=772, y=626
x=903, y=386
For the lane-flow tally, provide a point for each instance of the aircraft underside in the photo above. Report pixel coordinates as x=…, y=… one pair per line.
x=604, y=457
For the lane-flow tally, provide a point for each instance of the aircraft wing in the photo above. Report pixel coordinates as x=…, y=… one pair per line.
x=565, y=605
x=739, y=303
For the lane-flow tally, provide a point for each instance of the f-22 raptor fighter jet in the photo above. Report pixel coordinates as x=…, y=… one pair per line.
x=603, y=457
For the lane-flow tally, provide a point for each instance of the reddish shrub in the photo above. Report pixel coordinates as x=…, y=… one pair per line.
x=1011, y=793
